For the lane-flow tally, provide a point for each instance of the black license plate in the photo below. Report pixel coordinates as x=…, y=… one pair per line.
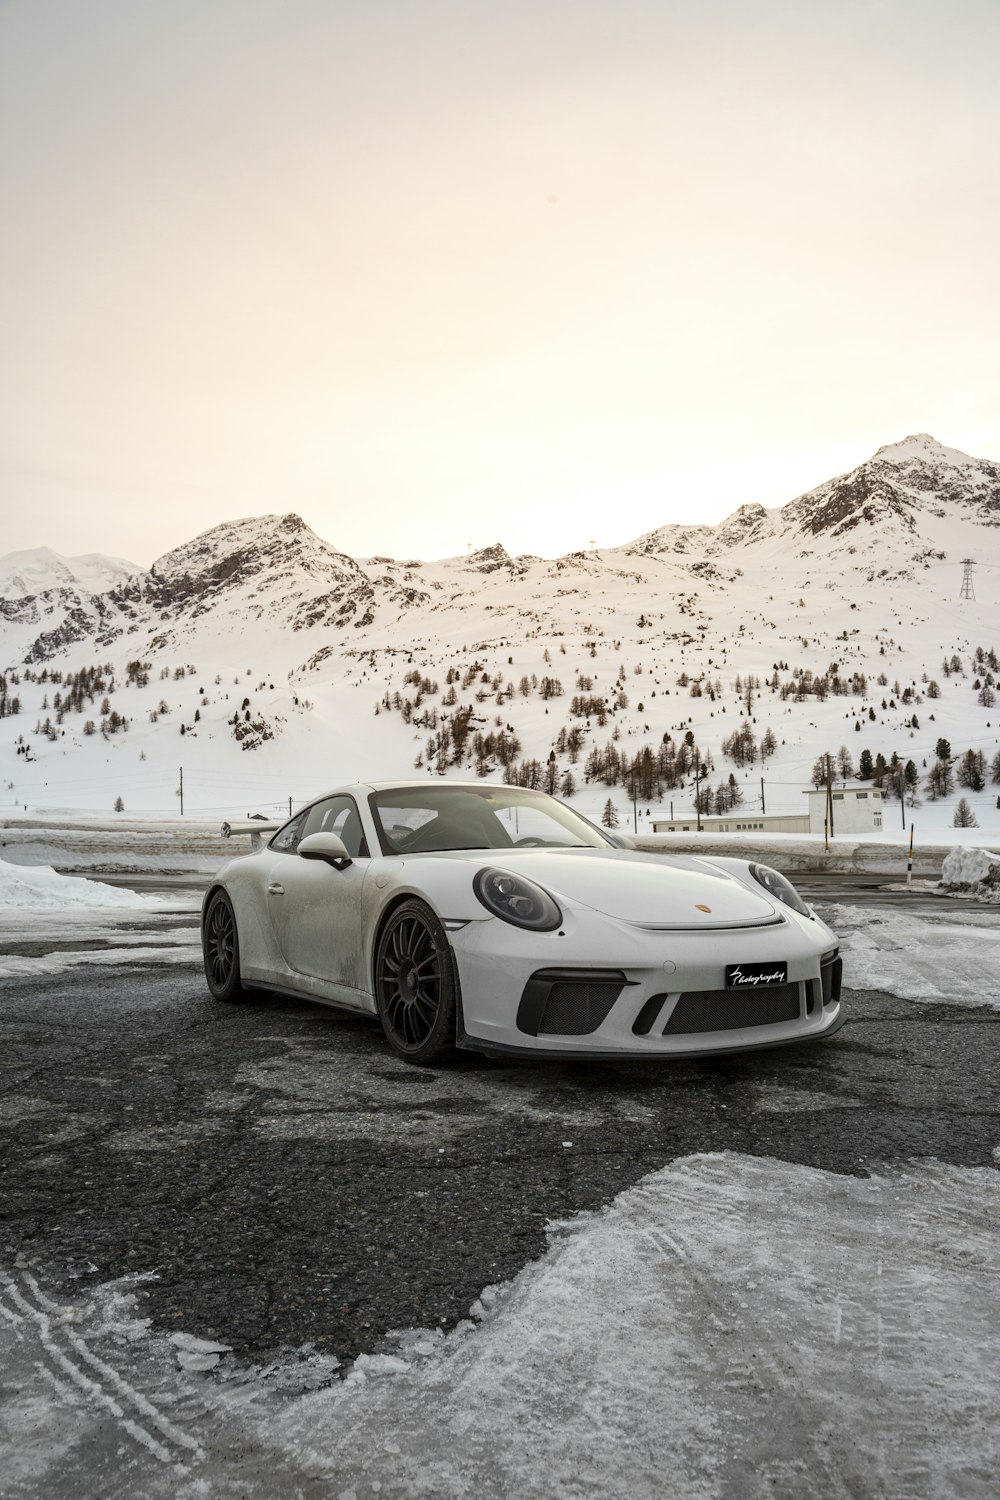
x=755, y=976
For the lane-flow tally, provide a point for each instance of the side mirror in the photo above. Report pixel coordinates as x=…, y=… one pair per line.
x=328, y=847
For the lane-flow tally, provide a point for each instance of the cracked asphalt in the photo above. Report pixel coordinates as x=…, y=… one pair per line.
x=289, y=1183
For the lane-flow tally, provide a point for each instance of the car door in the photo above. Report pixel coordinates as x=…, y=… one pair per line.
x=316, y=911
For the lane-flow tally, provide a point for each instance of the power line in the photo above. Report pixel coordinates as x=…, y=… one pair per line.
x=967, y=590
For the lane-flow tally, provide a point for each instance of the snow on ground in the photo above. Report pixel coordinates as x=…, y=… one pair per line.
x=40, y=887
x=71, y=919
x=176, y=948
x=953, y=957
x=731, y=1326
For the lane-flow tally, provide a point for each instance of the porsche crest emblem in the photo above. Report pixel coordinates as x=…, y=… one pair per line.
x=699, y=907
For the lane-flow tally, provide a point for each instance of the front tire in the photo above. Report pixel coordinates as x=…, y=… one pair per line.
x=220, y=946
x=415, y=988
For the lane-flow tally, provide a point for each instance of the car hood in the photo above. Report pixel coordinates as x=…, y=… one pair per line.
x=646, y=890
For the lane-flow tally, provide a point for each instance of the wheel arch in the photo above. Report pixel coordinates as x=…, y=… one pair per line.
x=398, y=899
x=214, y=889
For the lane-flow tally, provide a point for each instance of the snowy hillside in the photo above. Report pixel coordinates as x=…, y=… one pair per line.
x=270, y=665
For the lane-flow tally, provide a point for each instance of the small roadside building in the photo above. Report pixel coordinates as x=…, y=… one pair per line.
x=855, y=810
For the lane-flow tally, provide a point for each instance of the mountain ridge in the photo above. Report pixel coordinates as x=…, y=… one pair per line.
x=259, y=635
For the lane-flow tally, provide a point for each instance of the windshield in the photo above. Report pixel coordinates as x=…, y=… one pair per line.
x=418, y=820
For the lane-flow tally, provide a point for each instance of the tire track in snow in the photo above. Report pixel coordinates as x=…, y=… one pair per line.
x=68, y=1355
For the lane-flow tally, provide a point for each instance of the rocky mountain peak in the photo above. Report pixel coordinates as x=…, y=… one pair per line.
x=245, y=546
x=489, y=559
x=920, y=447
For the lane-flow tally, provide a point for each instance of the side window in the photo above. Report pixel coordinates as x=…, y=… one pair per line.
x=286, y=839
x=338, y=815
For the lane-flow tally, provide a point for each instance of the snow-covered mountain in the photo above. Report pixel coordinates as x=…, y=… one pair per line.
x=858, y=579
x=39, y=570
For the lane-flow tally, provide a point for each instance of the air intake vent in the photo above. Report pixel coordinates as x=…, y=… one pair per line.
x=723, y=1010
x=568, y=1002
x=831, y=976
x=576, y=1009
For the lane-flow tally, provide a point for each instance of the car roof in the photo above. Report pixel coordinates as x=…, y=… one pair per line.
x=391, y=786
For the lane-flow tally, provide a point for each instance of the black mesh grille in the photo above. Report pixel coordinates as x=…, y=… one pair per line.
x=726, y=1010
x=574, y=1008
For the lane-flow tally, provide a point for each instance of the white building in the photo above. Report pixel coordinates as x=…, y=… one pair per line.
x=855, y=810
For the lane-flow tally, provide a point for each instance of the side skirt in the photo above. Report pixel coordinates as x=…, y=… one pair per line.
x=294, y=994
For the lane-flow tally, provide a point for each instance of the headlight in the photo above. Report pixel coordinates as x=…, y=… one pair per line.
x=781, y=889
x=516, y=900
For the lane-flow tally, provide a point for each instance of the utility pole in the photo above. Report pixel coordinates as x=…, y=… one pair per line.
x=697, y=792
x=180, y=791
x=902, y=804
x=699, y=777
x=967, y=591
x=635, y=815
x=829, y=792
x=763, y=808
x=289, y=807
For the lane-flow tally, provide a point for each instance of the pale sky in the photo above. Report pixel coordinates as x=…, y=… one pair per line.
x=439, y=272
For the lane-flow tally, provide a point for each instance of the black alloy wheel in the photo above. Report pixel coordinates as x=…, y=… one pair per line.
x=415, y=984
x=221, y=949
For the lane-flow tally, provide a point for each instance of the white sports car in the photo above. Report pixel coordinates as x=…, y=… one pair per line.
x=499, y=920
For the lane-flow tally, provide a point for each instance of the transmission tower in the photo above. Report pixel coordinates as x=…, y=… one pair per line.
x=967, y=591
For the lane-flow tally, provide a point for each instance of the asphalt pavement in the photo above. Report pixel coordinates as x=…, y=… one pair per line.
x=285, y=1182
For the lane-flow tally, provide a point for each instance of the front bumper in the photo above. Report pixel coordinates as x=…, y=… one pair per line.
x=646, y=990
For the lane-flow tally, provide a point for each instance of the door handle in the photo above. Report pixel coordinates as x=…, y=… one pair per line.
x=274, y=889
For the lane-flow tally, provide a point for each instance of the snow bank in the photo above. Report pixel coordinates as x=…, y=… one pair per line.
x=965, y=869
x=79, y=844
x=38, y=885
x=954, y=957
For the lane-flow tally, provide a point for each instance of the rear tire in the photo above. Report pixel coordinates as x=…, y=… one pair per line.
x=220, y=945
x=415, y=985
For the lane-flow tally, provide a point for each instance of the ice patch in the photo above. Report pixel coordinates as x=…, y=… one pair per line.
x=741, y=1325
x=13, y=965
x=198, y=1354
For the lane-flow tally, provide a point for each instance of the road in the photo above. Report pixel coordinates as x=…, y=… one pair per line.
x=290, y=1181
x=283, y=1184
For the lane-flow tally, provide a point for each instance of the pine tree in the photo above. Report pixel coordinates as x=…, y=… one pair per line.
x=972, y=770
x=609, y=817
x=964, y=816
